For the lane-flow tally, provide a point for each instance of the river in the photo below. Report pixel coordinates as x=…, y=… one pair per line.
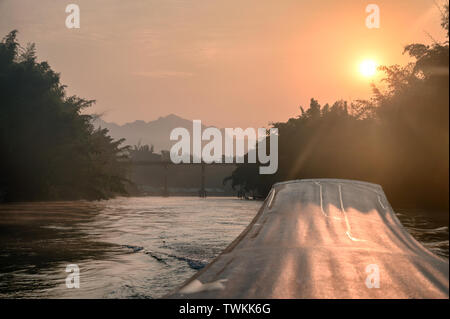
x=139, y=247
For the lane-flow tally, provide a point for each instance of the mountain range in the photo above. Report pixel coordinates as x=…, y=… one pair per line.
x=156, y=133
x=139, y=132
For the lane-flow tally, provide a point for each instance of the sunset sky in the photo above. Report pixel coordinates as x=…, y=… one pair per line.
x=228, y=63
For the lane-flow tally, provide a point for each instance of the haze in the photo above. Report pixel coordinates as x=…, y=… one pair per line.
x=228, y=63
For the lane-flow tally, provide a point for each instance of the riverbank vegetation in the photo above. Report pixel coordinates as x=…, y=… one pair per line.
x=49, y=148
x=398, y=139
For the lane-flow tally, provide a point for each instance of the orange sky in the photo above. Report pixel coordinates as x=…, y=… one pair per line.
x=228, y=63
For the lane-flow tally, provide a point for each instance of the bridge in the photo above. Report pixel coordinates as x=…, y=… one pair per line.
x=166, y=164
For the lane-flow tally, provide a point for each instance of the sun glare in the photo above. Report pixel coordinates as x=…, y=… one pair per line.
x=368, y=68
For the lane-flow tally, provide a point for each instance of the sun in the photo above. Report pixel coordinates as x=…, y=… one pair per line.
x=368, y=68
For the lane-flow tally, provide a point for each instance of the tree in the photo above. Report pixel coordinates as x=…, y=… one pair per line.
x=50, y=149
x=399, y=138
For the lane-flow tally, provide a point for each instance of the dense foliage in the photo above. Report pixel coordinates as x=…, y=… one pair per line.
x=49, y=148
x=399, y=138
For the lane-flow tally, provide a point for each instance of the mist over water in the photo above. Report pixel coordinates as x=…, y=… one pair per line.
x=135, y=247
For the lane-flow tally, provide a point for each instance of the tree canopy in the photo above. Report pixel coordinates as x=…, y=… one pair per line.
x=399, y=138
x=49, y=147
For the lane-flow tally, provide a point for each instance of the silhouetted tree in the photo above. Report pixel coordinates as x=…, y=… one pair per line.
x=49, y=148
x=399, y=138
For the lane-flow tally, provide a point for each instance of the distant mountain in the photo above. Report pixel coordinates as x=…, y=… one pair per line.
x=156, y=133
x=149, y=179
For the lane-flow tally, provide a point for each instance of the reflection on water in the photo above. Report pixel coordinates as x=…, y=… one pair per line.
x=429, y=228
x=133, y=247
x=125, y=247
